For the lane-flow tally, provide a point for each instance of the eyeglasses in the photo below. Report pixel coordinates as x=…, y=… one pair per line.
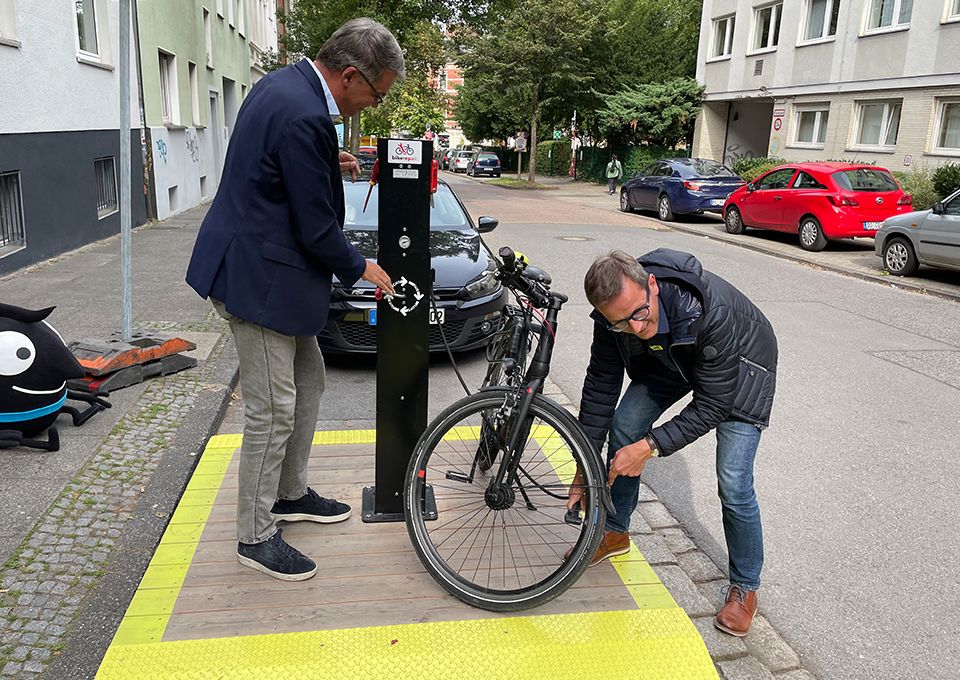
x=380, y=97
x=639, y=314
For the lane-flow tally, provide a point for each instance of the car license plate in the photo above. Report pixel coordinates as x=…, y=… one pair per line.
x=872, y=226
x=717, y=201
x=436, y=316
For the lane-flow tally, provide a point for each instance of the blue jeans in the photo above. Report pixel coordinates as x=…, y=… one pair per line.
x=737, y=443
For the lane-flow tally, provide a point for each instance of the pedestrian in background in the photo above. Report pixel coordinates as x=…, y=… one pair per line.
x=265, y=256
x=674, y=329
x=614, y=173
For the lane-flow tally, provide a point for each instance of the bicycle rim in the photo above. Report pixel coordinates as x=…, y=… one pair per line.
x=494, y=551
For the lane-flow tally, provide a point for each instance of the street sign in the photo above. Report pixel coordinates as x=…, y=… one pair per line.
x=557, y=134
x=521, y=143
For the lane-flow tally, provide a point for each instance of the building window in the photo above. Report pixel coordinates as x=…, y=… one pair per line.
x=194, y=93
x=87, y=26
x=11, y=212
x=169, y=94
x=820, y=19
x=106, y=175
x=766, y=33
x=442, y=81
x=723, y=37
x=8, y=23
x=953, y=10
x=948, y=126
x=810, y=124
x=238, y=15
x=208, y=38
x=888, y=14
x=220, y=8
x=878, y=124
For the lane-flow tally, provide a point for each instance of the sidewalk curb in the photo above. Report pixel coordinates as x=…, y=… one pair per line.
x=104, y=607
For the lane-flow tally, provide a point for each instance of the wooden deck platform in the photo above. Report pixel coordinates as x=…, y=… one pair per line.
x=199, y=613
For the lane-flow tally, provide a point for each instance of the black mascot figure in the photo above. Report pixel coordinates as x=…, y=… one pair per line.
x=35, y=365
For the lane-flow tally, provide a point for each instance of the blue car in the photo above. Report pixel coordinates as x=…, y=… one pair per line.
x=679, y=185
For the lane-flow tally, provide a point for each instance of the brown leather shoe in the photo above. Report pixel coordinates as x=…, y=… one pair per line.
x=611, y=545
x=737, y=614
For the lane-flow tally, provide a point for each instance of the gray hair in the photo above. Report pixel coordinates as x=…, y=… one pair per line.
x=604, y=279
x=366, y=45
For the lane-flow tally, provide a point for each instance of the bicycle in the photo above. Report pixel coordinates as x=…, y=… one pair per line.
x=501, y=528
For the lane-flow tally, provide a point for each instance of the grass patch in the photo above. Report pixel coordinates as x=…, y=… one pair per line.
x=512, y=183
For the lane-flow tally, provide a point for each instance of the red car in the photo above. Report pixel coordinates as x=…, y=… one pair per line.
x=817, y=201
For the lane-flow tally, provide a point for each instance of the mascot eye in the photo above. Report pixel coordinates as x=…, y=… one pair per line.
x=16, y=353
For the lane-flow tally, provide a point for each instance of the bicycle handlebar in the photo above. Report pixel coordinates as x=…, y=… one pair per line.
x=531, y=281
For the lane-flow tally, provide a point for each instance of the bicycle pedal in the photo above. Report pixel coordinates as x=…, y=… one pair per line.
x=573, y=518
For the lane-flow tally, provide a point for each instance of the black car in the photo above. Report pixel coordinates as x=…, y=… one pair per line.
x=469, y=299
x=484, y=163
x=446, y=158
x=679, y=185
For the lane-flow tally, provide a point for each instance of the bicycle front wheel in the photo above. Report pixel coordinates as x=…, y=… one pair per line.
x=502, y=548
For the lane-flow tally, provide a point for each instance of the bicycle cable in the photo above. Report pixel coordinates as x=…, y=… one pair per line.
x=443, y=338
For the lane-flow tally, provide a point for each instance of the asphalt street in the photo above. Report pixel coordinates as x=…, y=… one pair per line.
x=856, y=474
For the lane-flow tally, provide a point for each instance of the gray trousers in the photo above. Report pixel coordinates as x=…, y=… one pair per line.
x=282, y=380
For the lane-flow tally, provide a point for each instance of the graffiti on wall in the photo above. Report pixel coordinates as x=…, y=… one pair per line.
x=734, y=153
x=162, y=150
x=193, y=147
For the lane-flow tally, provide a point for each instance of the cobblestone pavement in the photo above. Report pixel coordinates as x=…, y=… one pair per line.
x=45, y=581
x=695, y=582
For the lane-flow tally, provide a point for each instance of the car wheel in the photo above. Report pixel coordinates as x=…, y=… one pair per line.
x=811, y=234
x=624, y=202
x=899, y=258
x=733, y=221
x=497, y=175
x=664, y=209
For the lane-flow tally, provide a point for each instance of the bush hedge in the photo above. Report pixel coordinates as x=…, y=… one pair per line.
x=946, y=179
x=591, y=161
x=919, y=184
x=556, y=164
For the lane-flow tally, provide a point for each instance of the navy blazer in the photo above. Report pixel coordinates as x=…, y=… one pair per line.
x=274, y=234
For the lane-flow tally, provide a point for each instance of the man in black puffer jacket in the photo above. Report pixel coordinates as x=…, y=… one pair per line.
x=675, y=328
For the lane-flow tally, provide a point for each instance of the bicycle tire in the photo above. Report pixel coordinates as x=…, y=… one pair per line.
x=528, y=570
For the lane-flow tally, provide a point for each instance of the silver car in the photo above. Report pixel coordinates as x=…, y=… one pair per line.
x=460, y=162
x=930, y=237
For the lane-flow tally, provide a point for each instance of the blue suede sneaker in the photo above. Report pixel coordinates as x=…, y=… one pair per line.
x=311, y=507
x=276, y=558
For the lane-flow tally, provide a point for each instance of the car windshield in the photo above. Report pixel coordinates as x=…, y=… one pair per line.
x=702, y=167
x=488, y=157
x=865, y=179
x=445, y=213
x=466, y=154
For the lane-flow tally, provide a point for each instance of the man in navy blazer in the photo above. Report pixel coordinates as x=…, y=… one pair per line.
x=265, y=255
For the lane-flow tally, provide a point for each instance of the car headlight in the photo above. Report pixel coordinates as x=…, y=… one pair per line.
x=481, y=286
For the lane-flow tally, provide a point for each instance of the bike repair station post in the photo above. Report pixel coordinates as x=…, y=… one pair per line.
x=405, y=184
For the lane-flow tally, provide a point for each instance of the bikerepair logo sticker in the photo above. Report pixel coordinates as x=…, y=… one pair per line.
x=405, y=151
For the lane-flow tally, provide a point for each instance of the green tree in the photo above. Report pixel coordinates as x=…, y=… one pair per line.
x=652, y=41
x=533, y=58
x=655, y=113
x=413, y=22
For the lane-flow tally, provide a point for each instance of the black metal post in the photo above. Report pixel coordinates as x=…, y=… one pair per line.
x=402, y=321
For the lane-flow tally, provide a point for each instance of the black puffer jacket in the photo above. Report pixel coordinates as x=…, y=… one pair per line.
x=723, y=345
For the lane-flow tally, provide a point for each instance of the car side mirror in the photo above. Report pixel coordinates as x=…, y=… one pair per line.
x=752, y=187
x=938, y=208
x=487, y=224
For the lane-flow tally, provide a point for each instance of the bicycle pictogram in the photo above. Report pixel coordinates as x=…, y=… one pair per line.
x=404, y=149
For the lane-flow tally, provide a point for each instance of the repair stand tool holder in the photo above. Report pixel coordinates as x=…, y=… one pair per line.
x=403, y=336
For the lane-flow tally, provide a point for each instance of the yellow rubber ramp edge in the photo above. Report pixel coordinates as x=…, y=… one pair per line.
x=659, y=644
